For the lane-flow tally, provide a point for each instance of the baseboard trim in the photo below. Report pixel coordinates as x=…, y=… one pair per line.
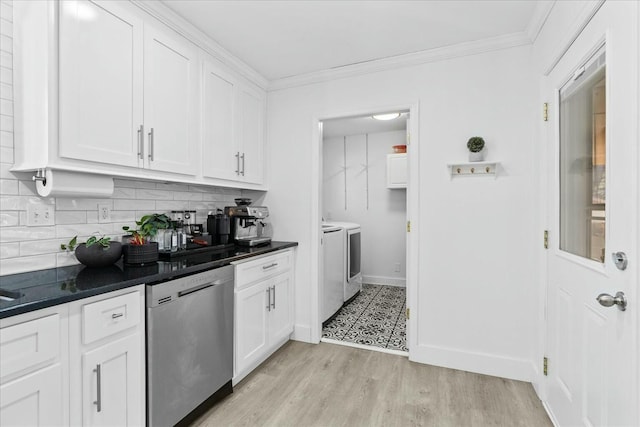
x=381, y=280
x=479, y=363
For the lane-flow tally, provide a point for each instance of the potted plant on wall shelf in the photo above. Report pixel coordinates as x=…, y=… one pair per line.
x=96, y=251
x=476, y=146
x=139, y=249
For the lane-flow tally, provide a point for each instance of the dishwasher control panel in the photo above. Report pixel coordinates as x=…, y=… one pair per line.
x=166, y=292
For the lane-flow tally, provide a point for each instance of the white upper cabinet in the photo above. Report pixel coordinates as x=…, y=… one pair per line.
x=219, y=147
x=104, y=87
x=171, y=87
x=100, y=82
x=233, y=127
x=251, y=116
x=112, y=68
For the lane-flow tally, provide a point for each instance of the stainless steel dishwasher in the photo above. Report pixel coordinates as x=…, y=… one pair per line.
x=189, y=344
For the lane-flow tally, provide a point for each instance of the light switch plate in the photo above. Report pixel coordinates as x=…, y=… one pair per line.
x=40, y=215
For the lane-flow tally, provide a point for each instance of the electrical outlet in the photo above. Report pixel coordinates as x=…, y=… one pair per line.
x=39, y=215
x=104, y=213
x=397, y=268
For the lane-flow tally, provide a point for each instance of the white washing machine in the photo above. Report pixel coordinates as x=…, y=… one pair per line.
x=332, y=291
x=352, y=249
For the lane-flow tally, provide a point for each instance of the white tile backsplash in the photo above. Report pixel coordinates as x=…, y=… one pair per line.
x=34, y=248
x=9, y=219
x=9, y=250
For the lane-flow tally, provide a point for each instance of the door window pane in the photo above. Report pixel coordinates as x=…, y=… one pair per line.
x=583, y=161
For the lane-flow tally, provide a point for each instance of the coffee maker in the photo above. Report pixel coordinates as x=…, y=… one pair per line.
x=249, y=225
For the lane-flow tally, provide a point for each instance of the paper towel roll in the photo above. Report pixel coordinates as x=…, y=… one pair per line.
x=74, y=184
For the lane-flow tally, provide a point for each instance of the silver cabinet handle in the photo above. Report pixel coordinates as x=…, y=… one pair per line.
x=151, y=144
x=607, y=300
x=238, y=163
x=141, y=142
x=242, y=170
x=273, y=305
x=266, y=267
x=98, y=401
x=268, y=299
x=116, y=315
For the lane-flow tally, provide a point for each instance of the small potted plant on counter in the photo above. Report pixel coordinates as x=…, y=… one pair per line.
x=96, y=251
x=475, y=146
x=140, y=249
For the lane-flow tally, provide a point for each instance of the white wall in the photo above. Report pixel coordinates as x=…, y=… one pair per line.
x=475, y=302
x=24, y=248
x=381, y=212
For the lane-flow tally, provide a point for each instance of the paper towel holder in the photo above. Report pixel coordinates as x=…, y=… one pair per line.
x=39, y=177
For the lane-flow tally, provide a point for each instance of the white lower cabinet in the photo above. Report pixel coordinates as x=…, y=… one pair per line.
x=106, y=336
x=80, y=363
x=263, y=310
x=33, y=368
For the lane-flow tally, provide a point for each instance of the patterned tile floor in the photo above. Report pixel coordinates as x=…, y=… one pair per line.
x=376, y=317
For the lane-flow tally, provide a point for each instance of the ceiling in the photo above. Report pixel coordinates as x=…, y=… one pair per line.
x=281, y=39
x=361, y=125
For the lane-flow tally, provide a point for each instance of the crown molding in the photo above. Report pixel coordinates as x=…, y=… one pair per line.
x=539, y=18
x=177, y=23
x=407, y=60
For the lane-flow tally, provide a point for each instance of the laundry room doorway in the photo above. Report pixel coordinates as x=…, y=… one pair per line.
x=364, y=210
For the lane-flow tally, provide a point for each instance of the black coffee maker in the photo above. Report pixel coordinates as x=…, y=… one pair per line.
x=219, y=227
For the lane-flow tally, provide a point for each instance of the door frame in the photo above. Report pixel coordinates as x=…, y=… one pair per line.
x=413, y=201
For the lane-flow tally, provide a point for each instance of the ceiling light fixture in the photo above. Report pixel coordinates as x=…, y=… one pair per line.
x=388, y=116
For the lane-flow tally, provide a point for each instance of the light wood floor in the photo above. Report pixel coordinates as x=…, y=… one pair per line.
x=333, y=385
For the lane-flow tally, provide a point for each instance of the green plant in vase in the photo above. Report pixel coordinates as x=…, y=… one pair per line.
x=141, y=250
x=97, y=251
x=475, y=146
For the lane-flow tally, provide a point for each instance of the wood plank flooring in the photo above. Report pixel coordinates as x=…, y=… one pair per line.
x=332, y=385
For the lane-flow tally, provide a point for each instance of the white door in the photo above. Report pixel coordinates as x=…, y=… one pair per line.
x=171, y=100
x=100, y=82
x=111, y=379
x=593, y=184
x=220, y=154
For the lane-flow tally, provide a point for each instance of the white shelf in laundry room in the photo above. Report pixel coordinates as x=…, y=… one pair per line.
x=474, y=168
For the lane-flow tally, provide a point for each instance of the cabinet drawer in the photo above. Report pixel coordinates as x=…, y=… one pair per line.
x=110, y=316
x=251, y=271
x=29, y=344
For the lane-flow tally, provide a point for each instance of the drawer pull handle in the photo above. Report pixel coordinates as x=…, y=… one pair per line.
x=116, y=315
x=266, y=267
x=98, y=401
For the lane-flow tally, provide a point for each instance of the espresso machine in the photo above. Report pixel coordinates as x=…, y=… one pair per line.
x=249, y=225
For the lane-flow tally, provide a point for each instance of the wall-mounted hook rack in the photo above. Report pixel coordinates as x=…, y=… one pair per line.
x=473, y=169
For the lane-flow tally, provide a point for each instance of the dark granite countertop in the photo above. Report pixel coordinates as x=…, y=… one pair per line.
x=46, y=288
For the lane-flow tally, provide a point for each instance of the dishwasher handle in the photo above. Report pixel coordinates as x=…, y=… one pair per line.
x=199, y=288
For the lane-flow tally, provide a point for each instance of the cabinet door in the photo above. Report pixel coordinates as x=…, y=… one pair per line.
x=251, y=133
x=220, y=154
x=33, y=400
x=396, y=171
x=111, y=383
x=171, y=86
x=251, y=325
x=100, y=82
x=280, y=317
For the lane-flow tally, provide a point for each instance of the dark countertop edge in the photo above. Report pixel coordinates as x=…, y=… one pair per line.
x=158, y=277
